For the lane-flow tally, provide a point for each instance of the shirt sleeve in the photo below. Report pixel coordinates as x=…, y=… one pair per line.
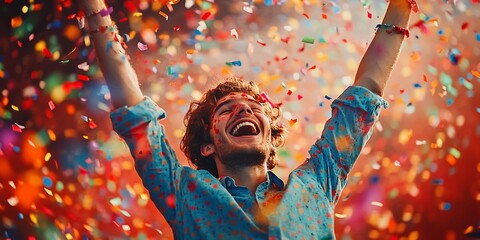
x=345, y=134
x=155, y=161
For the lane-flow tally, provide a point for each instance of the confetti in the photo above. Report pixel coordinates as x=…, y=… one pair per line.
x=142, y=47
x=308, y=40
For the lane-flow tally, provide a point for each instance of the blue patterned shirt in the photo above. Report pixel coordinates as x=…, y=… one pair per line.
x=199, y=206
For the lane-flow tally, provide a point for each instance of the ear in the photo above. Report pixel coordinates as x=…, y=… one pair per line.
x=207, y=149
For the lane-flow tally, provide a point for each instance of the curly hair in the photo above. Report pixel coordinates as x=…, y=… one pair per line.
x=197, y=122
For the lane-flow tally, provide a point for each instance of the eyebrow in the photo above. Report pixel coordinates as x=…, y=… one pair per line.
x=230, y=100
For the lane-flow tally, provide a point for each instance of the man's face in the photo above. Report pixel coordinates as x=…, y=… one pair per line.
x=240, y=131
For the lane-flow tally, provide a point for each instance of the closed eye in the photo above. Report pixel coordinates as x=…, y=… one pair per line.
x=225, y=111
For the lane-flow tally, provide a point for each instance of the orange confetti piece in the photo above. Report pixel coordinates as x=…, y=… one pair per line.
x=16, y=21
x=163, y=15
x=306, y=15
x=476, y=73
x=324, y=16
x=292, y=121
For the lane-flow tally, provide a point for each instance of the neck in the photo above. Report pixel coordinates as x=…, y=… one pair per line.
x=248, y=176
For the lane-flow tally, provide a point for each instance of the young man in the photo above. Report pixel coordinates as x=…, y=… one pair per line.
x=232, y=135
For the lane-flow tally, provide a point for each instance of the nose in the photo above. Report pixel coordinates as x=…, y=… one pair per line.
x=243, y=108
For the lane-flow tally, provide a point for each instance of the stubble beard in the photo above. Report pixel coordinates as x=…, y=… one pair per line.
x=238, y=158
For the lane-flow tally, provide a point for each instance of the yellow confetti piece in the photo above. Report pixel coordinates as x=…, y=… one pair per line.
x=15, y=108
x=137, y=14
x=85, y=136
x=47, y=156
x=48, y=191
x=24, y=9
x=33, y=218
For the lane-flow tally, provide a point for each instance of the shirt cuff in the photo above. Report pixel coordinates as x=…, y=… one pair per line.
x=363, y=98
x=126, y=118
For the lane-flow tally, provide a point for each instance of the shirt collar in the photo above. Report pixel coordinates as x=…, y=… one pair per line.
x=273, y=181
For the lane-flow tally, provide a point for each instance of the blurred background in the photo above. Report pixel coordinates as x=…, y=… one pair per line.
x=64, y=174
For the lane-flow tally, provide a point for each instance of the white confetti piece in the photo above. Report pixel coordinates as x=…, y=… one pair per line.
x=142, y=47
x=13, y=201
x=234, y=33
x=84, y=66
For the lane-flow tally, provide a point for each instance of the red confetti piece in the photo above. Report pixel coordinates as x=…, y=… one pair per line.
x=91, y=124
x=72, y=16
x=16, y=128
x=176, y=28
x=402, y=91
x=464, y=25
x=425, y=78
x=324, y=16
x=267, y=99
x=124, y=19
x=19, y=43
x=299, y=97
x=302, y=48
x=306, y=15
x=289, y=92
x=83, y=170
x=206, y=15
x=285, y=40
x=47, y=53
x=261, y=43
x=312, y=67
x=369, y=14
x=83, y=77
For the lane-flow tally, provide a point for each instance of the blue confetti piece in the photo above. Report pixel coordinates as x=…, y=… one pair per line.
x=234, y=63
x=417, y=85
x=16, y=149
x=119, y=220
x=374, y=179
x=440, y=32
x=109, y=46
x=327, y=97
x=437, y=181
x=321, y=104
x=478, y=110
x=84, y=118
x=450, y=102
x=446, y=206
x=20, y=216
x=478, y=37
x=268, y=2
x=47, y=182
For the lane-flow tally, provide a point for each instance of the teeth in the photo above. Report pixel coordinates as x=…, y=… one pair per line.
x=234, y=131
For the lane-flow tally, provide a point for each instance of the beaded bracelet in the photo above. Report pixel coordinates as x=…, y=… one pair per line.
x=413, y=5
x=103, y=12
x=102, y=29
x=389, y=28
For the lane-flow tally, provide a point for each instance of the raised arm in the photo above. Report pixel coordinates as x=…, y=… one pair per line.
x=381, y=55
x=121, y=79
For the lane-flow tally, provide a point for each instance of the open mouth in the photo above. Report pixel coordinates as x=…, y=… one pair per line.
x=244, y=129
